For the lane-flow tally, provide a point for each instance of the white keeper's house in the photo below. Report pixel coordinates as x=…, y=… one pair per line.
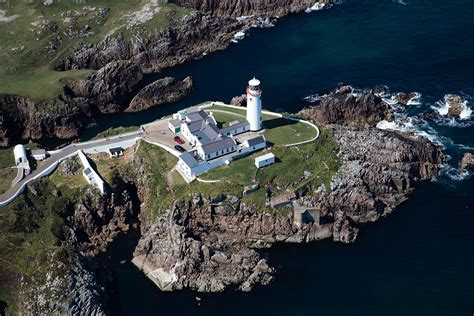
x=213, y=146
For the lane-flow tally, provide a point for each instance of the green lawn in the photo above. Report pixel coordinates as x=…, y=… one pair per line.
x=7, y=173
x=278, y=131
x=27, y=69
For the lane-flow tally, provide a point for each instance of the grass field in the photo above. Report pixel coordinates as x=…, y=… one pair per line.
x=278, y=131
x=27, y=67
x=7, y=173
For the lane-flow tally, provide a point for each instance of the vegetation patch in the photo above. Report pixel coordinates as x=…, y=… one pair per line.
x=7, y=172
x=30, y=227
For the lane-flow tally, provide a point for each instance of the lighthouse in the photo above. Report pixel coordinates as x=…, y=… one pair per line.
x=254, y=105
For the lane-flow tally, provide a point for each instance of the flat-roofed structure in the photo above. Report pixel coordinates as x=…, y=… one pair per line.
x=39, y=154
x=265, y=160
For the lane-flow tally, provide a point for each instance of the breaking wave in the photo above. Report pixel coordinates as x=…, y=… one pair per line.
x=454, y=174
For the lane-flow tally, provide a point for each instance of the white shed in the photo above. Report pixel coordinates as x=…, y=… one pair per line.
x=20, y=155
x=265, y=160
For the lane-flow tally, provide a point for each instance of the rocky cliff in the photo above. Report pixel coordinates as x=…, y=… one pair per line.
x=248, y=7
x=103, y=92
x=166, y=90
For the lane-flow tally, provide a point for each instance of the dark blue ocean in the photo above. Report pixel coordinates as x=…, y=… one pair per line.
x=418, y=261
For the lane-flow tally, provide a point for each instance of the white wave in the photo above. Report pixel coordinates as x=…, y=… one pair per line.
x=442, y=107
x=419, y=128
x=466, y=112
x=316, y=7
x=454, y=173
x=416, y=100
x=314, y=98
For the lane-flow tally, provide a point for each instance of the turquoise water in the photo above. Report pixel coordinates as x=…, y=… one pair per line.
x=419, y=260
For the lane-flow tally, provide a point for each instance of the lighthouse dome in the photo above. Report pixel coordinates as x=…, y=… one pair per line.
x=254, y=82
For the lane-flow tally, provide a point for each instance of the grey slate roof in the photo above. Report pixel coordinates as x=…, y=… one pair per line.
x=175, y=123
x=38, y=152
x=196, y=115
x=116, y=150
x=234, y=127
x=219, y=145
x=189, y=159
x=256, y=141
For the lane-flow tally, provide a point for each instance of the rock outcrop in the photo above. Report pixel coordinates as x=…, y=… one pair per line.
x=467, y=162
x=404, y=98
x=162, y=91
x=343, y=107
x=97, y=219
x=455, y=105
x=72, y=286
x=248, y=7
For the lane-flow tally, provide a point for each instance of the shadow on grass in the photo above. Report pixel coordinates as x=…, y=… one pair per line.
x=278, y=122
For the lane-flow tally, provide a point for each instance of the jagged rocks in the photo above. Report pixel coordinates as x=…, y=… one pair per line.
x=404, y=98
x=467, y=161
x=455, y=105
x=343, y=107
x=239, y=101
x=71, y=286
x=162, y=91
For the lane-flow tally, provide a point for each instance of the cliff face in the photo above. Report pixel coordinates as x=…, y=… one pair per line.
x=248, y=7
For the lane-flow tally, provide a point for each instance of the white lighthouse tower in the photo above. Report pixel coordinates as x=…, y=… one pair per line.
x=254, y=105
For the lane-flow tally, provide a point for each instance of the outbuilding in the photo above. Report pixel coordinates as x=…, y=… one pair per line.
x=174, y=126
x=21, y=157
x=265, y=160
x=115, y=152
x=39, y=154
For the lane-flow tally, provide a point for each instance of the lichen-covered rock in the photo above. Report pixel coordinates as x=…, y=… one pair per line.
x=467, y=161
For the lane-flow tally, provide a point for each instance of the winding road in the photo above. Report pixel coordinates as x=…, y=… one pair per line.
x=48, y=165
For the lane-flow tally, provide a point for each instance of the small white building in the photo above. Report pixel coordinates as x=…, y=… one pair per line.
x=115, y=152
x=21, y=159
x=91, y=176
x=174, y=126
x=265, y=160
x=39, y=154
x=256, y=143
